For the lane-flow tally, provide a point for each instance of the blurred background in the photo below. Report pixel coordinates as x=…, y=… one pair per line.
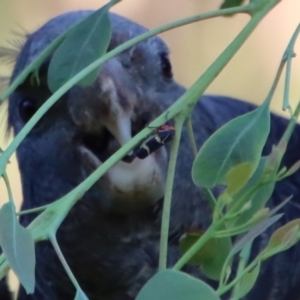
x=193, y=48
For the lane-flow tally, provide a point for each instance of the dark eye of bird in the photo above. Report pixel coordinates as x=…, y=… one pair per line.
x=27, y=108
x=166, y=67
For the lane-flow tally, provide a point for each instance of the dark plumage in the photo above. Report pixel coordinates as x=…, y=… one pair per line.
x=4, y=291
x=111, y=237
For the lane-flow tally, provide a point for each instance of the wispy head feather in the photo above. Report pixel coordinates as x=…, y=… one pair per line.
x=8, y=55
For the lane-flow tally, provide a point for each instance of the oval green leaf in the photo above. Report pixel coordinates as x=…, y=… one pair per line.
x=239, y=141
x=175, y=285
x=18, y=247
x=83, y=44
x=211, y=257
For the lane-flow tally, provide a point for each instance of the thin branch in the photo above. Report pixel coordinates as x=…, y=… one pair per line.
x=168, y=195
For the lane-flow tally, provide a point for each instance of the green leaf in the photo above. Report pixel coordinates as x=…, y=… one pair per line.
x=83, y=44
x=18, y=247
x=237, y=177
x=258, y=201
x=280, y=206
x=248, y=238
x=238, y=142
x=231, y=3
x=211, y=256
x=235, y=230
x=80, y=295
x=175, y=285
x=256, y=176
x=253, y=233
x=256, y=192
x=294, y=168
x=282, y=239
x=247, y=282
x=33, y=66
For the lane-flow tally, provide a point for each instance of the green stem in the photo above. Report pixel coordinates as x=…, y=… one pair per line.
x=188, y=99
x=68, y=85
x=275, y=158
x=63, y=261
x=164, y=237
x=209, y=233
x=191, y=136
x=236, y=206
x=32, y=210
x=8, y=187
x=276, y=81
x=291, y=126
x=56, y=212
x=288, y=55
x=207, y=193
x=224, y=275
x=210, y=197
x=178, y=23
x=226, y=288
x=244, y=258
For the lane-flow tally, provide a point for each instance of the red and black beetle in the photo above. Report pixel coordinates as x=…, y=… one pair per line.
x=161, y=136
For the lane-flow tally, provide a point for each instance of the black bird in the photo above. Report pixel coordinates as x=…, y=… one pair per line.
x=111, y=237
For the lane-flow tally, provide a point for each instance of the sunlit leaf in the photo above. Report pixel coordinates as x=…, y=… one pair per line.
x=18, y=247
x=255, y=191
x=237, y=177
x=239, y=141
x=83, y=44
x=211, y=256
x=175, y=285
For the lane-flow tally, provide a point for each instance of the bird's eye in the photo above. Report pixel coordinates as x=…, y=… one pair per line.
x=166, y=66
x=27, y=109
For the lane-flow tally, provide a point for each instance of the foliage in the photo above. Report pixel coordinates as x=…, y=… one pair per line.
x=18, y=246
x=170, y=284
x=249, y=178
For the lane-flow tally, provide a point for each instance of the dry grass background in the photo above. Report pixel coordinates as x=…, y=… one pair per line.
x=248, y=76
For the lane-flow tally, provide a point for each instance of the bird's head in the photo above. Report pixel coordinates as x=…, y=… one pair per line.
x=88, y=124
